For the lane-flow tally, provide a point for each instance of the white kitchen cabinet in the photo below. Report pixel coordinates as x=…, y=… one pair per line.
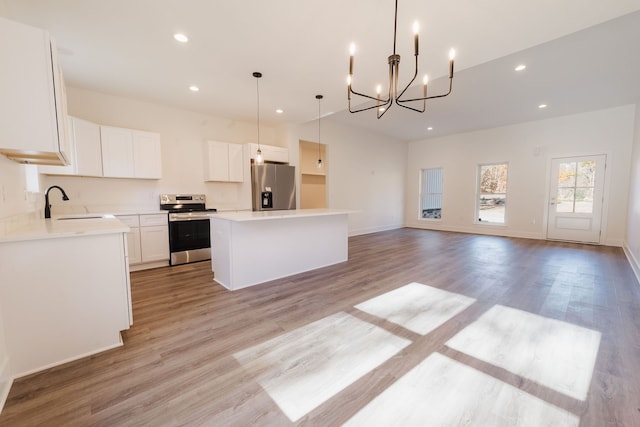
x=85, y=150
x=33, y=101
x=154, y=237
x=147, y=158
x=147, y=240
x=133, y=237
x=128, y=153
x=224, y=162
x=117, y=152
x=270, y=153
x=68, y=307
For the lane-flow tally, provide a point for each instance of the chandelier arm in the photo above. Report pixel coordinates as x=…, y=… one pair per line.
x=432, y=96
x=412, y=108
x=367, y=96
x=415, y=74
x=386, y=104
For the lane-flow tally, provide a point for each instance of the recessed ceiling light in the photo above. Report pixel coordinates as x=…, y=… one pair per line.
x=279, y=111
x=542, y=106
x=520, y=67
x=181, y=37
x=429, y=128
x=194, y=88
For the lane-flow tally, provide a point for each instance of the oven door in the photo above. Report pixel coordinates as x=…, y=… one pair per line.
x=189, y=241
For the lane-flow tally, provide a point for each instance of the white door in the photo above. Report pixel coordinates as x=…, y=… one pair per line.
x=575, y=198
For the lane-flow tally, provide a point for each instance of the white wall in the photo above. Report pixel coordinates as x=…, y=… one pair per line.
x=365, y=173
x=182, y=136
x=529, y=148
x=632, y=240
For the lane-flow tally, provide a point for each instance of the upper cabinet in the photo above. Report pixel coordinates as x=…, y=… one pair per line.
x=85, y=153
x=224, y=162
x=32, y=101
x=270, y=153
x=128, y=153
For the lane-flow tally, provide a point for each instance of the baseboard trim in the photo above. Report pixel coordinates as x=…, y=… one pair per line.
x=361, y=231
x=635, y=266
x=5, y=382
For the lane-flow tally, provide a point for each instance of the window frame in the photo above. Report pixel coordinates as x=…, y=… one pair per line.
x=478, y=195
x=421, y=193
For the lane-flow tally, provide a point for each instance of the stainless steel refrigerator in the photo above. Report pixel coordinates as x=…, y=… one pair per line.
x=273, y=187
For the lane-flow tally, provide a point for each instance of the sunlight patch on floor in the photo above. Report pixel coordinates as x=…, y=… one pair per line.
x=303, y=368
x=443, y=392
x=417, y=307
x=550, y=352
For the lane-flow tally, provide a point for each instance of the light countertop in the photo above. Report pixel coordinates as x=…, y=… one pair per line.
x=87, y=224
x=280, y=214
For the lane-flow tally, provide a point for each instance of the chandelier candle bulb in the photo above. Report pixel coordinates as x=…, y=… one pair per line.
x=425, y=80
x=416, y=29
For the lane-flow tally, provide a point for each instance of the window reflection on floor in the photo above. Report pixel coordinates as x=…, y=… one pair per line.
x=443, y=392
x=303, y=368
x=416, y=307
x=550, y=352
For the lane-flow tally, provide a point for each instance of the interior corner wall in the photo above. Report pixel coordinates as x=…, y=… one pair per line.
x=528, y=148
x=632, y=238
x=365, y=174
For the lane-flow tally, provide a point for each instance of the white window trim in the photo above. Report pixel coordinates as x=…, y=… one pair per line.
x=477, y=204
x=421, y=193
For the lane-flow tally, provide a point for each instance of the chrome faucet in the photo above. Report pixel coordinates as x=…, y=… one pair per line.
x=47, y=206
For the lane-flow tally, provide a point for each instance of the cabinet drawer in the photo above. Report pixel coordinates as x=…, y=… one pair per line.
x=129, y=220
x=153, y=220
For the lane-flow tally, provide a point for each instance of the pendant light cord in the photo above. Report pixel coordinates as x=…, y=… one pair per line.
x=258, y=108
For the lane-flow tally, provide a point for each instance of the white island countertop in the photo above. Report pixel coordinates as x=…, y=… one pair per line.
x=67, y=226
x=279, y=214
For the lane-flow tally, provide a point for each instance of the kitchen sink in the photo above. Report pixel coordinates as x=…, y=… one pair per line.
x=79, y=217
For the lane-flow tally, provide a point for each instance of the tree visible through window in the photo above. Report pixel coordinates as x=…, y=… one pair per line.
x=431, y=193
x=492, y=193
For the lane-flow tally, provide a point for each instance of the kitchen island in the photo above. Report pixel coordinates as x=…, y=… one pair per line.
x=249, y=248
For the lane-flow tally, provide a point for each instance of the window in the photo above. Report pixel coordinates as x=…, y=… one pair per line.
x=576, y=183
x=431, y=193
x=492, y=193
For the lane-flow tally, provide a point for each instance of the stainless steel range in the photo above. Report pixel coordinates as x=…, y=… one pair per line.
x=189, y=230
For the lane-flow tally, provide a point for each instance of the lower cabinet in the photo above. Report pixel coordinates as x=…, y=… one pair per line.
x=74, y=304
x=148, y=240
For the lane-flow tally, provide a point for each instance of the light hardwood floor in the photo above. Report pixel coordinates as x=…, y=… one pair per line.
x=417, y=328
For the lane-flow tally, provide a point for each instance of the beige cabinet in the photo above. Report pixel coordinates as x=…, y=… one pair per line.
x=224, y=162
x=85, y=153
x=33, y=101
x=128, y=153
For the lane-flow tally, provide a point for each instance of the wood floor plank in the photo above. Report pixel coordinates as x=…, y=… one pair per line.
x=177, y=365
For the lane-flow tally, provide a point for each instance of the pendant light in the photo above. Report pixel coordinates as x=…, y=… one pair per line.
x=319, y=163
x=259, y=159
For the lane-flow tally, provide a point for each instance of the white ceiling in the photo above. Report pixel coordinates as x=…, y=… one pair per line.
x=577, y=58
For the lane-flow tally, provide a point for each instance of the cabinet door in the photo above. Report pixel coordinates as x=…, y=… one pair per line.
x=117, y=152
x=217, y=168
x=236, y=163
x=88, y=150
x=133, y=246
x=154, y=242
x=147, y=155
x=31, y=109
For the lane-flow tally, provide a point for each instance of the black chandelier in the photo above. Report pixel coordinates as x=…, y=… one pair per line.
x=383, y=104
